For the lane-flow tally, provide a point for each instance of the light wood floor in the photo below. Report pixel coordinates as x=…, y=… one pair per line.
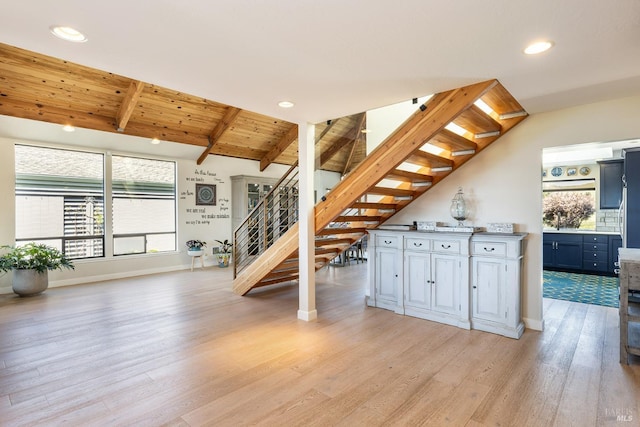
x=181, y=349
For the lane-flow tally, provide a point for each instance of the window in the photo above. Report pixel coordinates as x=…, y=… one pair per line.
x=60, y=200
x=144, y=205
x=569, y=204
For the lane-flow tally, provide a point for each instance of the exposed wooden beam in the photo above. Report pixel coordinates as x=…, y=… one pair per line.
x=279, y=148
x=128, y=104
x=326, y=129
x=43, y=113
x=221, y=127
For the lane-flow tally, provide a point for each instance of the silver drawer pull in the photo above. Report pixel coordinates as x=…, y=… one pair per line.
x=417, y=245
x=388, y=242
x=445, y=247
x=489, y=250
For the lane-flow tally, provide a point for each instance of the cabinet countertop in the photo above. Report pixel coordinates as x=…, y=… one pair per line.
x=449, y=233
x=629, y=254
x=606, y=233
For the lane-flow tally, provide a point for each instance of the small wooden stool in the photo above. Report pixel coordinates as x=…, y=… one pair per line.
x=193, y=259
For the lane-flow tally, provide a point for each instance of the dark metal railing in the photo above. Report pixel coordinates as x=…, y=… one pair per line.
x=267, y=222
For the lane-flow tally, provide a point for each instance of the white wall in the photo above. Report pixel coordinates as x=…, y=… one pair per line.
x=7, y=207
x=383, y=121
x=216, y=223
x=504, y=182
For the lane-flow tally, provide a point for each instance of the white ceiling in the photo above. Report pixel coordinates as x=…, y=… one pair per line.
x=339, y=57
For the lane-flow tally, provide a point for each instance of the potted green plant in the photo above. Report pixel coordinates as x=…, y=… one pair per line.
x=195, y=247
x=30, y=264
x=224, y=252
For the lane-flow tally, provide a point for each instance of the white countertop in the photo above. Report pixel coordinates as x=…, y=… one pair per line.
x=629, y=254
x=574, y=231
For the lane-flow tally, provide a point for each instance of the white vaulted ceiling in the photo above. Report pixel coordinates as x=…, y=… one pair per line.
x=335, y=58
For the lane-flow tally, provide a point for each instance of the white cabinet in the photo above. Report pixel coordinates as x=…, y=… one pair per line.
x=496, y=284
x=461, y=279
x=445, y=283
x=434, y=269
x=417, y=283
x=387, y=271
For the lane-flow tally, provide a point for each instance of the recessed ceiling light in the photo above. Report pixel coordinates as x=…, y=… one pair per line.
x=155, y=141
x=68, y=128
x=538, y=47
x=285, y=104
x=68, y=34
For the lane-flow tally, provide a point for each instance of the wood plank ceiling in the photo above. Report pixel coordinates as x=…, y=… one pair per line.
x=43, y=88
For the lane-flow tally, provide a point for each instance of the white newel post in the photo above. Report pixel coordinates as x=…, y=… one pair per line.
x=307, y=293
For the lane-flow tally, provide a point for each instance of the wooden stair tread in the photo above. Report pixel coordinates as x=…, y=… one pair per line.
x=501, y=101
x=331, y=241
x=429, y=160
x=387, y=191
x=476, y=121
x=338, y=231
x=321, y=251
x=406, y=176
x=452, y=141
x=357, y=218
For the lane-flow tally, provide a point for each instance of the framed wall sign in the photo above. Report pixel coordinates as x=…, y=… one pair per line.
x=205, y=194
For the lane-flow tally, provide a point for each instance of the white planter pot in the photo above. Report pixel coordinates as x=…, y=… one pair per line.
x=194, y=252
x=30, y=282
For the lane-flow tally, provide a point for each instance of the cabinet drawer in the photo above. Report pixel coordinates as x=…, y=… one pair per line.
x=594, y=266
x=593, y=247
x=593, y=256
x=387, y=241
x=413, y=244
x=595, y=238
x=489, y=248
x=448, y=246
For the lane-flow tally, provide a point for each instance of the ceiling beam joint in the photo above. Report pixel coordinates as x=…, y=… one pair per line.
x=229, y=117
x=128, y=104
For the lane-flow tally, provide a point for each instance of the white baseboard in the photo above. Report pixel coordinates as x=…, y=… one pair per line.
x=113, y=276
x=536, y=325
x=308, y=316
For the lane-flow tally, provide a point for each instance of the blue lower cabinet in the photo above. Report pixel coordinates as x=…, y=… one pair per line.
x=577, y=252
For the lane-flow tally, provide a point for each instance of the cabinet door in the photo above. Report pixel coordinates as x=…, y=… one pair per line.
x=488, y=289
x=611, y=184
x=569, y=255
x=548, y=253
x=445, y=276
x=387, y=275
x=417, y=280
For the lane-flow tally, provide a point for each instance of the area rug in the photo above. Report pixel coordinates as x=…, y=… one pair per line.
x=585, y=288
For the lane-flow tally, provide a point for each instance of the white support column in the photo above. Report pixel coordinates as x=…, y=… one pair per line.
x=307, y=282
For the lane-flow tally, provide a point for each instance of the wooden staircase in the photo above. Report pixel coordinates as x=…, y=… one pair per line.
x=418, y=155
